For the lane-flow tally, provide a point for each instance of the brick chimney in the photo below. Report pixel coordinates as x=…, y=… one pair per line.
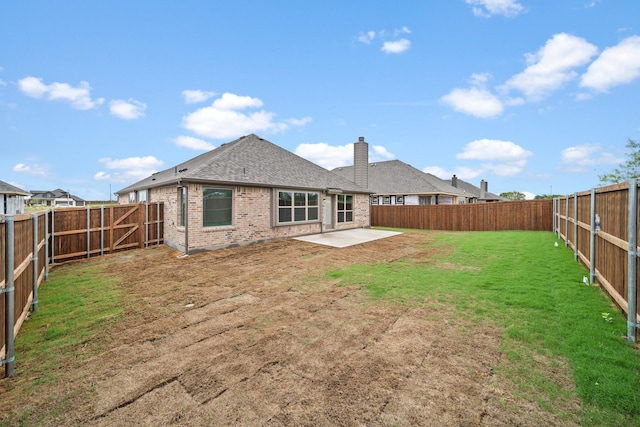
x=484, y=185
x=454, y=181
x=361, y=163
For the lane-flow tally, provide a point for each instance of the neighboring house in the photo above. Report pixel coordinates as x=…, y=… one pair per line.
x=251, y=190
x=475, y=194
x=396, y=183
x=11, y=199
x=55, y=198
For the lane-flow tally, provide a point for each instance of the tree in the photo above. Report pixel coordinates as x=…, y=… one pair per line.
x=513, y=195
x=629, y=169
x=547, y=196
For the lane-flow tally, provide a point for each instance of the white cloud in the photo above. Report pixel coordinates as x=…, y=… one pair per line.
x=403, y=30
x=461, y=172
x=79, y=97
x=127, y=110
x=380, y=153
x=194, y=96
x=193, y=143
x=299, y=122
x=502, y=158
x=391, y=44
x=488, y=8
x=438, y=171
x=552, y=66
x=325, y=155
x=476, y=102
x=493, y=149
x=616, y=65
x=367, y=37
x=225, y=119
x=397, y=46
x=2, y=83
x=30, y=169
x=331, y=157
x=480, y=79
x=583, y=158
x=230, y=101
x=128, y=170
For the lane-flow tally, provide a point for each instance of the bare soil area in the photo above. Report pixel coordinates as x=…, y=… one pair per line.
x=257, y=335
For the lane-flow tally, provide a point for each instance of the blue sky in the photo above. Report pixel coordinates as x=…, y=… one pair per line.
x=532, y=96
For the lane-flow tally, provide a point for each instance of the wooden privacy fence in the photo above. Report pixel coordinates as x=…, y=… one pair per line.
x=601, y=226
x=85, y=232
x=23, y=266
x=533, y=215
x=29, y=243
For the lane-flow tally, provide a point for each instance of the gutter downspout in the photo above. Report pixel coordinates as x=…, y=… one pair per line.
x=186, y=220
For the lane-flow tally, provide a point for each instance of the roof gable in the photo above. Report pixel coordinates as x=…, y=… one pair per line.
x=249, y=160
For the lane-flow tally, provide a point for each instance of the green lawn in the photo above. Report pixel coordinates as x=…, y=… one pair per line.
x=550, y=320
x=535, y=292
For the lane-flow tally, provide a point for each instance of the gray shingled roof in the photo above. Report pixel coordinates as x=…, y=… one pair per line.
x=6, y=188
x=473, y=191
x=396, y=177
x=249, y=160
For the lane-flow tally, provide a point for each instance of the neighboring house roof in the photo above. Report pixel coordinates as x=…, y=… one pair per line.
x=252, y=161
x=397, y=177
x=473, y=191
x=58, y=193
x=6, y=188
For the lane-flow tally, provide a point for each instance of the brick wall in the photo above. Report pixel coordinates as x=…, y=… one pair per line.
x=252, y=218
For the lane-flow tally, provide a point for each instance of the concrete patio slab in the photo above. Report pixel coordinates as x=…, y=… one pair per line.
x=345, y=238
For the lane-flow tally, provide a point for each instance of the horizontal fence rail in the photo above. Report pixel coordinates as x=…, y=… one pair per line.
x=530, y=215
x=30, y=243
x=601, y=227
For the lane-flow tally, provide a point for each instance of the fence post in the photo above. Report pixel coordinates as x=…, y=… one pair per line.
x=101, y=230
x=53, y=236
x=557, y=217
x=157, y=223
x=592, y=239
x=88, y=231
x=575, y=226
x=566, y=223
x=34, y=260
x=632, y=296
x=46, y=245
x=146, y=224
x=9, y=296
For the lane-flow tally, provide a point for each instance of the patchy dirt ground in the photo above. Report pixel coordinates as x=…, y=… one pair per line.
x=267, y=342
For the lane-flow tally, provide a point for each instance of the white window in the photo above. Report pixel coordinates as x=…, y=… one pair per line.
x=345, y=207
x=298, y=206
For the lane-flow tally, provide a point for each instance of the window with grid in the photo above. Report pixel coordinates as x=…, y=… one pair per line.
x=297, y=206
x=345, y=208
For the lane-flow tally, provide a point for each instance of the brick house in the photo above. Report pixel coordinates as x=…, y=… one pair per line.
x=475, y=194
x=56, y=198
x=250, y=190
x=394, y=182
